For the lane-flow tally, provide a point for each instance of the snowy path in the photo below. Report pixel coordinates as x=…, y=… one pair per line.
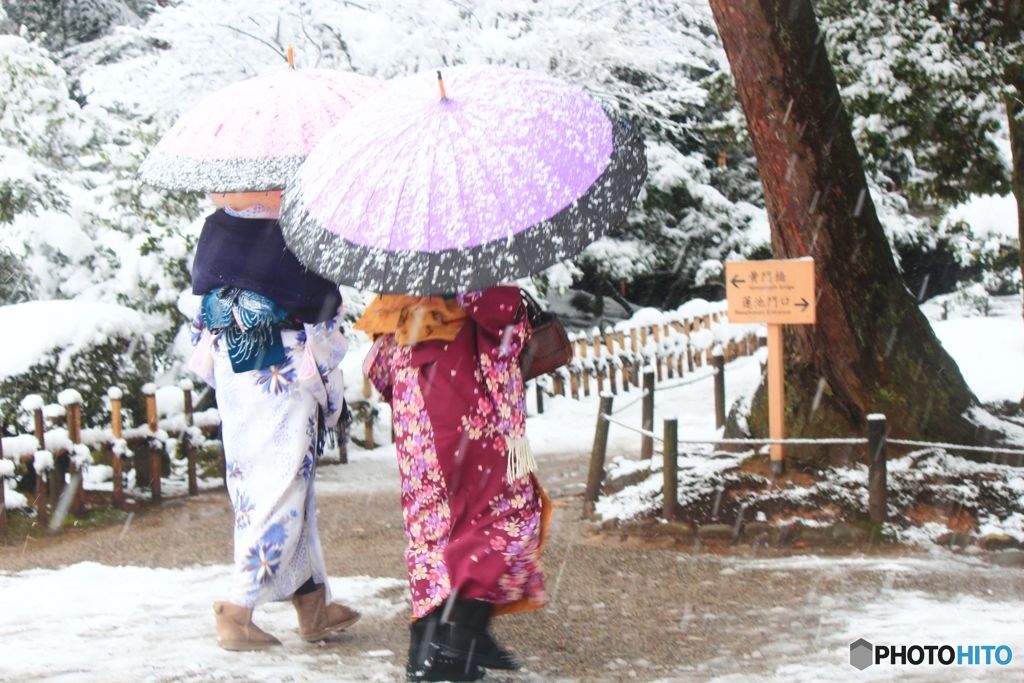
x=91, y=622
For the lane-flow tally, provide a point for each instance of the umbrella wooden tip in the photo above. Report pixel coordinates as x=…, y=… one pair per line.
x=291, y=57
x=440, y=85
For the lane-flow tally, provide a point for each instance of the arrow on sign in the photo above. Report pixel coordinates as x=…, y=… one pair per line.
x=735, y=281
x=803, y=304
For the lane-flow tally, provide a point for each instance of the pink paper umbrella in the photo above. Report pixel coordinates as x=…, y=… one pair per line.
x=252, y=136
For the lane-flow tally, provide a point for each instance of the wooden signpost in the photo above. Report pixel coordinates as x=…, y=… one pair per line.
x=779, y=293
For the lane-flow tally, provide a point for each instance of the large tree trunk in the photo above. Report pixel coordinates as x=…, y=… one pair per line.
x=1015, y=109
x=872, y=350
x=1013, y=76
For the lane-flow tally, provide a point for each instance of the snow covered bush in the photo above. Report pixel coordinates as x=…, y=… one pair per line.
x=75, y=223
x=57, y=345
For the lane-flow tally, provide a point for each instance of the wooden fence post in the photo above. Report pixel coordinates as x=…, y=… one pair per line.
x=540, y=396
x=368, y=419
x=56, y=479
x=719, y=363
x=559, y=384
x=586, y=381
x=596, y=474
x=72, y=402
x=116, y=425
x=34, y=403
x=574, y=384
x=186, y=387
x=3, y=492
x=42, y=492
x=156, y=461
x=877, y=468
x=368, y=416
x=341, y=434
x=647, y=412
x=671, y=467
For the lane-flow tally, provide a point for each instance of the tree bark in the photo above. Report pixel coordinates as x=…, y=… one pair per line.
x=872, y=347
x=1015, y=109
x=1013, y=76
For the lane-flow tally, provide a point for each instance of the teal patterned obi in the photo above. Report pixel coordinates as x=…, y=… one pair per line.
x=251, y=326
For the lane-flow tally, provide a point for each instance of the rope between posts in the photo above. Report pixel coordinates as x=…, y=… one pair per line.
x=953, y=446
x=644, y=432
x=664, y=387
x=643, y=395
x=791, y=442
x=816, y=442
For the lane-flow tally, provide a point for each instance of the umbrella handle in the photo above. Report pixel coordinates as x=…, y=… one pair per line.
x=440, y=84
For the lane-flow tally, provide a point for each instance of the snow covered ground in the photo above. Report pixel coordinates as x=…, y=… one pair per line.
x=988, y=349
x=154, y=624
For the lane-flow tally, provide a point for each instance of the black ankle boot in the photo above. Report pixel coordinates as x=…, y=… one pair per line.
x=465, y=637
x=426, y=662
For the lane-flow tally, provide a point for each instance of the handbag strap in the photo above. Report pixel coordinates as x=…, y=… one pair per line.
x=533, y=308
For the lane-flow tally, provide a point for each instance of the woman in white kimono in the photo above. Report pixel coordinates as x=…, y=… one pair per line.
x=267, y=339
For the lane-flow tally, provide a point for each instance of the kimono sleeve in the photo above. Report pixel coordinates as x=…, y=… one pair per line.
x=502, y=330
x=320, y=368
x=376, y=366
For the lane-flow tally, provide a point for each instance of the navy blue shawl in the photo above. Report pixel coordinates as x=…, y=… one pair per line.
x=251, y=254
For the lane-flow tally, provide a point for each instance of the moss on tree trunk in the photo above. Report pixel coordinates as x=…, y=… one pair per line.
x=872, y=350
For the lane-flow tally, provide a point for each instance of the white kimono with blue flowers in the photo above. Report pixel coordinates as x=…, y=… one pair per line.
x=269, y=419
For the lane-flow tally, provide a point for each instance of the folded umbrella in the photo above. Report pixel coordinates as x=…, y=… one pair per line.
x=253, y=135
x=499, y=174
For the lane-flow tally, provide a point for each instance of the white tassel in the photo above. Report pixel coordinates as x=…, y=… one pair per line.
x=520, y=458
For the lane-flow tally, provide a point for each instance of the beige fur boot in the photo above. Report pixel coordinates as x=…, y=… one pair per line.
x=318, y=620
x=235, y=630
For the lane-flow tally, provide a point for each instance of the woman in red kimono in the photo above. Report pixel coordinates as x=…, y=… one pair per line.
x=474, y=512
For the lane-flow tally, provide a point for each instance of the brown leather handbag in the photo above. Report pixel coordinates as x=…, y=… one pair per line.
x=549, y=347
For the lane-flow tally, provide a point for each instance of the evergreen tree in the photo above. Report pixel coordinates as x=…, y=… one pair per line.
x=929, y=84
x=64, y=23
x=76, y=223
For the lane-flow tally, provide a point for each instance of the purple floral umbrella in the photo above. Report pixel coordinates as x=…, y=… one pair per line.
x=420, y=193
x=253, y=135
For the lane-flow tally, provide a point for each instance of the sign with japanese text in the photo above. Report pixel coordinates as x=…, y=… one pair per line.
x=779, y=292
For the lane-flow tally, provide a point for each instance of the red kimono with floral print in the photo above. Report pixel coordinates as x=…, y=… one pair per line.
x=470, y=530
